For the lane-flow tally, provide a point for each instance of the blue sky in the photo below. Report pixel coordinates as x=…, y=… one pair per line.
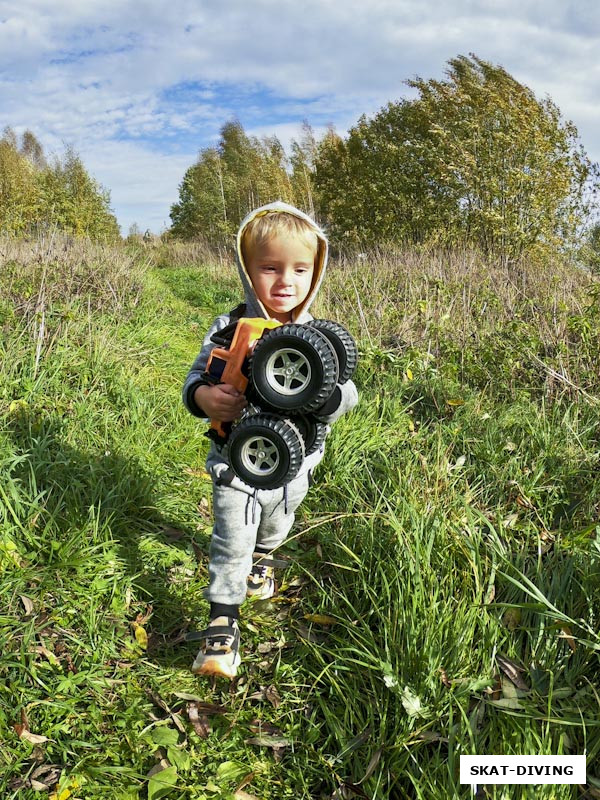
x=138, y=88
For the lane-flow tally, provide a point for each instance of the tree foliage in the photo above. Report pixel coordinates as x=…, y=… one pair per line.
x=239, y=174
x=474, y=157
x=34, y=193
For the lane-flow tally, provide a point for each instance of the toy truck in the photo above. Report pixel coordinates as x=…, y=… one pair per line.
x=287, y=372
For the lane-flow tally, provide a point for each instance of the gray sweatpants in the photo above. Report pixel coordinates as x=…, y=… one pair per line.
x=242, y=524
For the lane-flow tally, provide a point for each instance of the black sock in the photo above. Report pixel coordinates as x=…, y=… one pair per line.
x=222, y=610
x=263, y=550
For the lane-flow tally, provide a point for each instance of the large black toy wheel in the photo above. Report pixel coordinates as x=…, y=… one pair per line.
x=265, y=451
x=313, y=432
x=343, y=344
x=293, y=368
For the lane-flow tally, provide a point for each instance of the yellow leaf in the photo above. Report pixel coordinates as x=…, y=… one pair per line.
x=409, y=373
x=455, y=401
x=17, y=405
x=320, y=619
x=141, y=636
x=64, y=794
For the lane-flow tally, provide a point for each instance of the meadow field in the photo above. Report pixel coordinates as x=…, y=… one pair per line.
x=444, y=590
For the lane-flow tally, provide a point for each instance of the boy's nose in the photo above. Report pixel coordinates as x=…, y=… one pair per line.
x=285, y=279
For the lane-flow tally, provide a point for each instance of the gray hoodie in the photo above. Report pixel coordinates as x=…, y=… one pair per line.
x=347, y=394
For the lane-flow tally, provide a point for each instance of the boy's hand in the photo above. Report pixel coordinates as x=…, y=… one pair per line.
x=221, y=401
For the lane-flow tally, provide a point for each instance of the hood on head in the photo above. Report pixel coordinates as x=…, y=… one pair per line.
x=254, y=307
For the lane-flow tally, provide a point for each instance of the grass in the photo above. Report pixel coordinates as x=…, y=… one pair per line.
x=444, y=592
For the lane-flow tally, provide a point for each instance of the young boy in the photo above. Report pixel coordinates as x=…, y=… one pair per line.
x=282, y=255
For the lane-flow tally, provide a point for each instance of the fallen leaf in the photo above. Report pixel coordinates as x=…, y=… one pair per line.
x=512, y=670
x=259, y=695
x=211, y=708
x=320, y=619
x=411, y=702
x=455, y=402
x=141, y=636
x=143, y=617
x=273, y=696
x=43, y=651
x=524, y=502
x=27, y=603
x=265, y=740
x=199, y=722
x=160, y=703
x=243, y=783
x=66, y=791
x=50, y=773
x=245, y=796
x=261, y=726
x=510, y=521
x=32, y=738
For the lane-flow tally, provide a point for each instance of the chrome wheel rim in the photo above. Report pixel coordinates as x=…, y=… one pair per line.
x=259, y=456
x=288, y=372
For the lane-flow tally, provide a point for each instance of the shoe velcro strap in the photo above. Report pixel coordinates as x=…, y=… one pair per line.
x=210, y=633
x=267, y=561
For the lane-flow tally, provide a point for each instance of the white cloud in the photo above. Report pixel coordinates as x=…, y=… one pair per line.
x=143, y=184
x=111, y=76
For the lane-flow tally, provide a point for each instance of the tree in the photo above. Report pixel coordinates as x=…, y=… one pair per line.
x=303, y=162
x=19, y=187
x=335, y=182
x=475, y=157
x=32, y=150
x=226, y=182
x=34, y=193
x=75, y=202
x=202, y=206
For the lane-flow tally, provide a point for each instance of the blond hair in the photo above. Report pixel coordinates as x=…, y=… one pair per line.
x=265, y=227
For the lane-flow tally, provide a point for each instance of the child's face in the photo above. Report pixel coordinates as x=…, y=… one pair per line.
x=281, y=272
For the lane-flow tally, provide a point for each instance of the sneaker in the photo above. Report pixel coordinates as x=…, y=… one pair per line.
x=261, y=582
x=220, y=654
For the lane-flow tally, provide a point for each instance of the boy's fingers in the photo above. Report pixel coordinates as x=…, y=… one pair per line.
x=226, y=388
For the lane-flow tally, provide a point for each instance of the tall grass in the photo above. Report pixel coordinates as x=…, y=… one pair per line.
x=444, y=593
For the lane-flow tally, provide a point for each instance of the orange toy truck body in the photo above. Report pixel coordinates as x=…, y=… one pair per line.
x=228, y=364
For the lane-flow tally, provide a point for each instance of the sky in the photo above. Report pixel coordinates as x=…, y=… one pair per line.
x=138, y=88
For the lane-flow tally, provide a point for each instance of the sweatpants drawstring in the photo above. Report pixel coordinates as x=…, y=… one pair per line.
x=254, y=498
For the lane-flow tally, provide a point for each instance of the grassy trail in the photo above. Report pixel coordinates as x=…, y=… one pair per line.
x=444, y=592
